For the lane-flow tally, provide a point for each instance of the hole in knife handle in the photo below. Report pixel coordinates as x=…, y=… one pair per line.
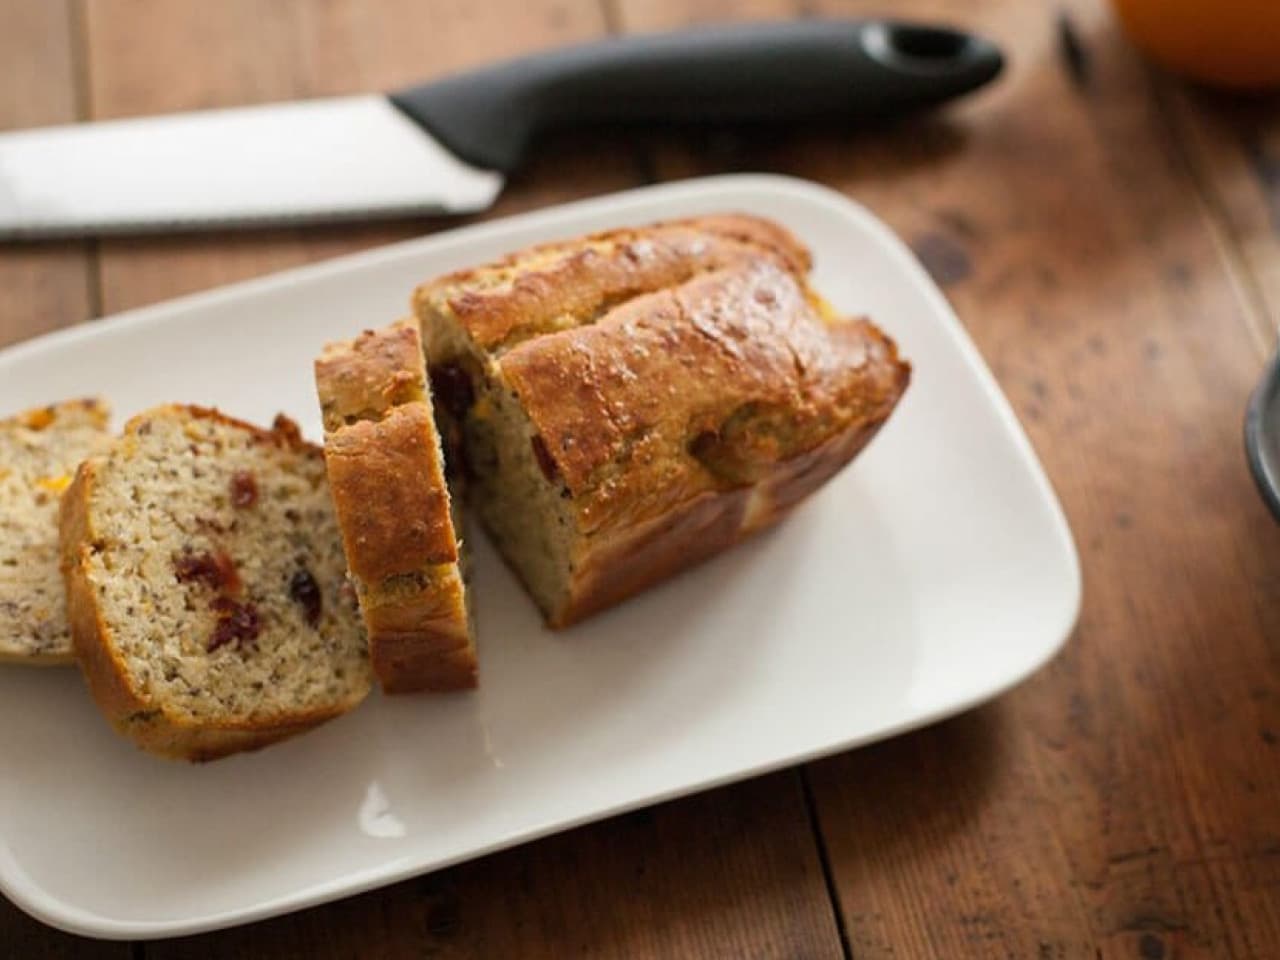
x=925, y=43
x=919, y=49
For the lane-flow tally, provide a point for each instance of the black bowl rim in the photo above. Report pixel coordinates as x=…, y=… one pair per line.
x=1262, y=435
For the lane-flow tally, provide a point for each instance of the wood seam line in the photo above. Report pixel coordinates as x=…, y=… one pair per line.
x=82, y=87
x=1248, y=291
x=824, y=860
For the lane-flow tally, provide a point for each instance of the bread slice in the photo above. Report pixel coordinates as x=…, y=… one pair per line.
x=386, y=470
x=206, y=585
x=633, y=402
x=39, y=451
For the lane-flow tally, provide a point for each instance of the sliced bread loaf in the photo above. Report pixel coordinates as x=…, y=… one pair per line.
x=633, y=402
x=386, y=471
x=206, y=585
x=39, y=452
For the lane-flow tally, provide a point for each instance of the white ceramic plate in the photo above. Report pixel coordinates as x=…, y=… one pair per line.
x=933, y=574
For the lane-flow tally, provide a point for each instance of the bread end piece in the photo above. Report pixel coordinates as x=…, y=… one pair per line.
x=386, y=471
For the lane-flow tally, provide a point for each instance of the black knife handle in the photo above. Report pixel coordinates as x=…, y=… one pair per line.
x=837, y=69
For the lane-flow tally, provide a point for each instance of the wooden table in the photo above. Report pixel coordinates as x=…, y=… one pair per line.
x=1112, y=241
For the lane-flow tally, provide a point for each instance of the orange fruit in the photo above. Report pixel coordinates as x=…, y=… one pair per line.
x=1224, y=43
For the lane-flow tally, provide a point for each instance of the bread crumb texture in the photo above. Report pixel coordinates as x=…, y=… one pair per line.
x=39, y=452
x=209, y=554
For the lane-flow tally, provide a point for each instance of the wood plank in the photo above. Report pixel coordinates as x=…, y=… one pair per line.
x=26, y=938
x=735, y=872
x=155, y=57
x=1122, y=802
x=731, y=873
x=42, y=286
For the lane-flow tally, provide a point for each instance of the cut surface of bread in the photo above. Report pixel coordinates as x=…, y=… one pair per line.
x=633, y=402
x=386, y=471
x=39, y=453
x=206, y=585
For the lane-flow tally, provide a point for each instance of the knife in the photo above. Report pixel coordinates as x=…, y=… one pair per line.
x=446, y=146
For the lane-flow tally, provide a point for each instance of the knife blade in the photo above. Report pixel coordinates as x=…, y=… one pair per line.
x=446, y=146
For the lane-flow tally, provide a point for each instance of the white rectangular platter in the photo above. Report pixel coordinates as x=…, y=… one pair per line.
x=933, y=574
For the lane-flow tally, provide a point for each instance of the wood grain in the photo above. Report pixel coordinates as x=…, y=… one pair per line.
x=1232, y=146
x=1122, y=802
x=42, y=286
x=728, y=874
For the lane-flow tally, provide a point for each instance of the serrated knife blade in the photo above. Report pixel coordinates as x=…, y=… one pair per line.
x=346, y=157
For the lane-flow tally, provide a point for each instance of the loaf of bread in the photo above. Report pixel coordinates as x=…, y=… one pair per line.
x=206, y=585
x=386, y=472
x=631, y=403
x=39, y=452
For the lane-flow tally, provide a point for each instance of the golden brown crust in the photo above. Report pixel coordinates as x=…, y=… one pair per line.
x=150, y=726
x=387, y=484
x=419, y=641
x=39, y=418
x=621, y=562
x=89, y=634
x=386, y=475
x=362, y=379
x=442, y=661
x=705, y=386
x=686, y=386
x=532, y=291
x=283, y=432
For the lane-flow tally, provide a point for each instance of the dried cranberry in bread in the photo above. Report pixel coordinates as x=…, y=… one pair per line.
x=206, y=585
x=633, y=402
x=39, y=451
x=386, y=471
